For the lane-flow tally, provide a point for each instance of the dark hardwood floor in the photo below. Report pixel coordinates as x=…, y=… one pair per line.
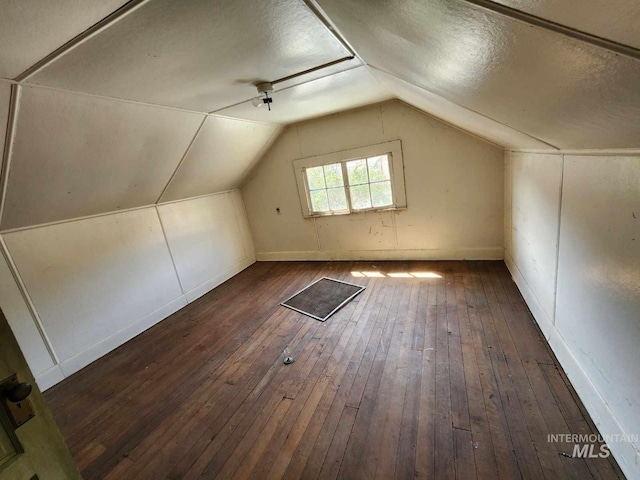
x=417, y=377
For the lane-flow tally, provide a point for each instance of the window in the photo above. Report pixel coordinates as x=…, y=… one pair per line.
x=367, y=178
x=368, y=183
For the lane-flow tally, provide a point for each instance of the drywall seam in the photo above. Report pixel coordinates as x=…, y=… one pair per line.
x=369, y=66
x=508, y=190
x=240, y=216
x=208, y=285
x=74, y=219
x=246, y=120
x=315, y=231
x=12, y=126
x=395, y=229
x=245, y=216
x=555, y=283
x=166, y=241
x=469, y=253
x=169, y=202
x=256, y=161
x=317, y=10
x=186, y=152
x=27, y=299
x=115, y=99
x=106, y=22
x=557, y=28
x=614, y=152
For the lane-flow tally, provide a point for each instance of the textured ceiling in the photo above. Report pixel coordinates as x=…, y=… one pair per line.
x=222, y=152
x=344, y=90
x=565, y=92
x=615, y=20
x=32, y=29
x=93, y=133
x=200, y=55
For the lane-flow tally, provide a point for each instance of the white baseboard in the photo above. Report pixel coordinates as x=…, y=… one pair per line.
x=209, y=285
x=627, y=456
x=625, y=453
x=113, y=341
x=49, y=377
x=485, y=253
x=544, y=322
x=71, y=365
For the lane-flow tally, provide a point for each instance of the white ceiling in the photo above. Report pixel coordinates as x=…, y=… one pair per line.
x=93, y=134
x=562, y=91
x=342, y=91
x=456, y=115
x=32, y=29
x=222, y=152
x=201, y=55
x=615, y=20
x=75, y=155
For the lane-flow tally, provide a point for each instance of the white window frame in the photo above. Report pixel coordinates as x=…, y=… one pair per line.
x=396, y=170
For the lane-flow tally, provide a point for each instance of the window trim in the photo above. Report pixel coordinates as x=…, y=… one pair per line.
x=396, y=170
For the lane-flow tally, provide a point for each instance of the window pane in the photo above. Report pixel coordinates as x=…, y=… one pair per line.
x=319, y=201
x=381, y=194
x=333, y=175
x=357, y=172
x=315, y=178
x=360, y=197
x=378, y=168
x=337, y=198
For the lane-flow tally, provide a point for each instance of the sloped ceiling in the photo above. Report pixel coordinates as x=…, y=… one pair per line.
x=75, y=155
x=238, y=142
x=31, y=30
x=126, y=104
x=560, y=90
x=616, y=20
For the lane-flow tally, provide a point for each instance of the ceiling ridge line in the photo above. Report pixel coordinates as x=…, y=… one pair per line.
x=312, y=69
x=79, y=39
x=461, y=106
x=528, y=18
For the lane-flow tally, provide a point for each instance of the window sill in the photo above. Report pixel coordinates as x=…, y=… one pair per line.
x=355, y=212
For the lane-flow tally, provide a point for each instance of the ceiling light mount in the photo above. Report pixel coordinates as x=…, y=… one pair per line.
x=264, y=88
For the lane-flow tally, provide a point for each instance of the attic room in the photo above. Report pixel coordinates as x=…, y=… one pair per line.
x=320, y=239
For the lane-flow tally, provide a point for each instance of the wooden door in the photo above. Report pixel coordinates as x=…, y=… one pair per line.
x=35, y=449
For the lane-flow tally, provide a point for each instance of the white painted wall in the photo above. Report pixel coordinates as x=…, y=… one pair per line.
x=573, y=247
x=209, y=238
x=454, y=185
x=96, y=282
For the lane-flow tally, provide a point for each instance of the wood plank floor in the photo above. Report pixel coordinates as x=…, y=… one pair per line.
x=444, y=375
